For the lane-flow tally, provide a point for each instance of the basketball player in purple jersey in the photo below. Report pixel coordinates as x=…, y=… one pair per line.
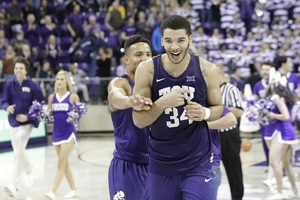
x=280, y=140
x=17, y=96
x=185, y=91
x=128, y=169
x=226, y=120
x=64, y=134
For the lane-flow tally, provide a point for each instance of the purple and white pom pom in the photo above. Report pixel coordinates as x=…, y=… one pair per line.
x=39, y=111
x=258, y=112
x=75, y=112
x=247, y=102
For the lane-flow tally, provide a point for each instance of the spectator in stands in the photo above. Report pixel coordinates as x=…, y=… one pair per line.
x=4, y=42
x=121, y=68
x=131, y=9
x=49, y=28
x=52, y=50
x=31, y=30
x=114, y=18
x=214, y=42
x=8, y=62
x=5, y=26
x=157, y=47
x=78, y=80
x=46, y=73
x=129, y=29
x=104, y=61
x=255, y=74
x=28, y=8
x=143, y=25
x=200, y=39
x=18, y=42
x=93, y=27
x=75, y=22
x=14, y=13
x=233, y=42
x=237, y=80
x=261, y=14
x=250, y=43
x=26, y=52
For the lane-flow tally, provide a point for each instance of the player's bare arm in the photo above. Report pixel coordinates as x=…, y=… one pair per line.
x=226, y=121
x=143, y=84
x=120, y=96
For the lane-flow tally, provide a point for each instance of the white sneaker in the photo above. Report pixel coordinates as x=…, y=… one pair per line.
x=292, y=196
x=50, y=195
x=278, y=196
x=11, y=190
x=29, y=179
x=268, y=183
x=71, y=194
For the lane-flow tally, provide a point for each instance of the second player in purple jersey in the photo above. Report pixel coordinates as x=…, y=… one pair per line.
x=226, y=120
x=128, y=169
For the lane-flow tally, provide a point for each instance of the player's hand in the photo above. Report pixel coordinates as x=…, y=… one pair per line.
x=194, y=111
x=175, y=98
x=21, y=118
x=11, y=109
x=139, y=103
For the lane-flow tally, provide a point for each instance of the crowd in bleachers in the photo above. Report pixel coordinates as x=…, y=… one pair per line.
x=54, y=34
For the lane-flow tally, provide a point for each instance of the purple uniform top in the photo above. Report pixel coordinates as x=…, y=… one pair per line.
x=177, y=144
x=63, y=131
x=216, y=143
x=131, y=142
x=22, y=95
x=292, y=81
x=259, y=88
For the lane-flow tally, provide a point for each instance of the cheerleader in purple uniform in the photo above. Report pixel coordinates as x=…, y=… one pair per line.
x=64, y=133
x=280, y=140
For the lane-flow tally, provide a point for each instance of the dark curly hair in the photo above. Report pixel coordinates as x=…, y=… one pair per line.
x=176, y=22
x=284, y=92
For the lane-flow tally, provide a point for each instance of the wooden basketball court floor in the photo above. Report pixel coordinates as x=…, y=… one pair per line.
x=90, y=160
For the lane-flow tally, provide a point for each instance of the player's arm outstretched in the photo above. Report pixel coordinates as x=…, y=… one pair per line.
x=120, y=96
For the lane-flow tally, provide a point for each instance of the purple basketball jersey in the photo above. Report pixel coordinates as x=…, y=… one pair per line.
x=128, y=169
x=177, y=144
x=131, y=142
x=62, y=130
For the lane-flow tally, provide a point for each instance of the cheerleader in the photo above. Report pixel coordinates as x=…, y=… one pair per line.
x=279, y=140
x=64, y=133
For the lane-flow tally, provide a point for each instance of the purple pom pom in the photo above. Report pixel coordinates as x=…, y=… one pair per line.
x=39, y=111
x=258, y=112
x=75, y=112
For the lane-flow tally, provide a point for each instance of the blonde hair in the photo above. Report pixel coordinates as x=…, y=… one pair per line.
x=68, y=79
